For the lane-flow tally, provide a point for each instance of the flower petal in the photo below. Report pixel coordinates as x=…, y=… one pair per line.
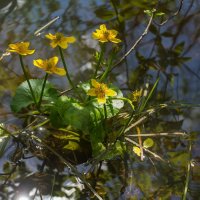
x=103, y=27
x=94, y=83
x=63, y=44
x=101, y=100
x=95, y=35
x=113, y=33
x=12, y=46
x=114, y=40
x=38, y=63
x=70, y=39
x=111, y=93
x=53, y=44
x=29, y=52
x=50, y=36
x=91, y=92
x=53, y=61
x=25, y=44
x=59, y=71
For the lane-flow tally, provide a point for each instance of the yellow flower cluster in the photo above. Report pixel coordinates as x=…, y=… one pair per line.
x=136, y=95
x=100, y=90
x=48, y=65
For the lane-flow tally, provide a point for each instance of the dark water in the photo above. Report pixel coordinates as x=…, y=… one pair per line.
x=152, y=178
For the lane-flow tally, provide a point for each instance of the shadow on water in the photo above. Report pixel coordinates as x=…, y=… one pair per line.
x=169, y=52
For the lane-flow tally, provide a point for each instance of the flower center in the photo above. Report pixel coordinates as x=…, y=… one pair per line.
x=106, y=34
x=49, y=66
x=100, y=91
x=58, y=37
x=21, y=48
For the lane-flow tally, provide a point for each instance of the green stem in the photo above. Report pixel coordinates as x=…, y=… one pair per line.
x=42, y=92
x=188, y=172
x=105, y=74
x=100, y=59
x=66, y=70
x=27, y=79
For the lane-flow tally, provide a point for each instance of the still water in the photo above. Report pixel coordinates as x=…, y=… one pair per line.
x=170, y=46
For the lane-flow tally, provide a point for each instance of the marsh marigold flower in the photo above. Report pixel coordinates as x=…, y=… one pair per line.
x=105, y=35
x=136, y=95
x=100, y=90
x=49, y=66
x=60, y=40
x=21, y=48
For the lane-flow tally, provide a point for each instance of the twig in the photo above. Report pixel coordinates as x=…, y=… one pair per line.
x=136, y=43
x=172, y=16
x=160, y=134
x=136, y=123
x=38, y=31
x=140, y=142
x=147, y=150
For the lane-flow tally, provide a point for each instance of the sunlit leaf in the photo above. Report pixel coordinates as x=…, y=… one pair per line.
x=137, y=150
x=148, y=143
x=23, y=97
x=72, y=146
x=160, y=14
x=66, y=137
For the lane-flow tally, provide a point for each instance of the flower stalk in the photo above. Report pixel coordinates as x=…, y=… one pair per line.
x=42, y=91
x=27, y=79
x=99, y=60
x=67, y=74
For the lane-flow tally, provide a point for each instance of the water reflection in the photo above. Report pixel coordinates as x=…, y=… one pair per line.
x=144, y=180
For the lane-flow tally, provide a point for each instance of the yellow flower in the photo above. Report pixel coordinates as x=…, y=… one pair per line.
x=105, y=35
x=136, y=95
x=21, y=48
x=49, y=66
x=100, y=90
x=60, y=40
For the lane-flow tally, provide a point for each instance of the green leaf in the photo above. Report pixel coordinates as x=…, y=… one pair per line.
x=148, y=143
x=137, y=150
x=102, y=12
x=72, y=146
x=67, y=137
x=116, y=150
x=145, y=101
x=160, y=14
x=179, y=48
x=23, y=97
x=67, y=111
x=179, y=158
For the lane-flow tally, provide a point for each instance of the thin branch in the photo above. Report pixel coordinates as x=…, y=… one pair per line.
x=160, y=134
x=145, y=149
x=172, y=16
x=136, y=43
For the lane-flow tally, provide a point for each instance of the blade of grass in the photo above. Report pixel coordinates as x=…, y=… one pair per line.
x=143, y=105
